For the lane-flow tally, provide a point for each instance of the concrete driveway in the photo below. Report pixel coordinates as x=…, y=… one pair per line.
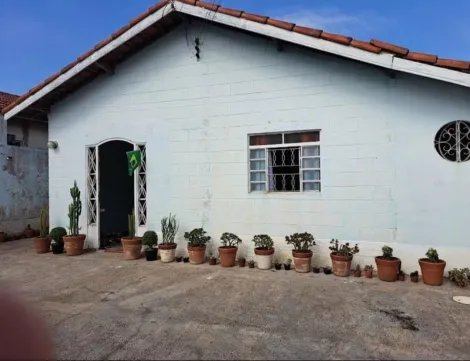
x=101, y=307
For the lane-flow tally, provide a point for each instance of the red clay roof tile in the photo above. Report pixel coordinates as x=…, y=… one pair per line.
x=374, y=46
x=7, y=98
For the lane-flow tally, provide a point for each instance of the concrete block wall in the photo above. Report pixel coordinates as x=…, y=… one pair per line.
x=382, y=180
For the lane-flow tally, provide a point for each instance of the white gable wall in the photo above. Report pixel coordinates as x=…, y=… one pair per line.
x=382, y=180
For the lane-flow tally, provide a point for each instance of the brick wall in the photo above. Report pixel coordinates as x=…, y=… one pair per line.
x=382, y=181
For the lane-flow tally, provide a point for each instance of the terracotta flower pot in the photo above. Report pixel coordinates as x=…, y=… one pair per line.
x=42, y=244
x=432, y=273
x=241, y=262
x=357, y=273
x=82, y=236
x=3, y=237
x=414, y=278
x=341, y=265
x=197, y=254
x=401, y=277
x=264, y=258
x=227, y=256
x=29, y=233
x=302, y=261
x=212, y=261
x=387, y=269
x=73, y=245
x=167, y=252
x=132, y=247
x=368, y=274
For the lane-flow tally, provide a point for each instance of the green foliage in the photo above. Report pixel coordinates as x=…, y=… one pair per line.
x=131, y=224
x=44, y=222
x=301, y=241
x=230, y=240
x=414, y=274
x=263, y=241
x=150, y=239
x=368, y=268
x=432, y=255
x=57, y=234
x=75, y=210
x=459, y=276
x=342, y=250
x=387, y=252
x=197, y=237
x=169, y=229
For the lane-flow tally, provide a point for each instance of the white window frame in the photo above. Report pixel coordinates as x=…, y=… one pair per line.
x=266, y=148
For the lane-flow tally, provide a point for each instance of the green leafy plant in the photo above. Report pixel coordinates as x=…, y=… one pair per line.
x=57, y=234
x=75, y=210
x=131, y=224
x=230, y=240
x=169, y=229
x=414, y=274
x=301, y=241
x=387, y=253
x=263, y=242
x=342, y=250
x=288, y=261
x=459, y=276
x=43, y=222
x=368, y=268
x=197, y=237
x=432, y=255
x=251, y=263
x=150, y=239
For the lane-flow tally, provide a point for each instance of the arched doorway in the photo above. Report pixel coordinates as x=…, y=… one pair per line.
x=112, y=194
x=116, y=195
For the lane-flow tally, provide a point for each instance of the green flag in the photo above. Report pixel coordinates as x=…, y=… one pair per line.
x=134, y=161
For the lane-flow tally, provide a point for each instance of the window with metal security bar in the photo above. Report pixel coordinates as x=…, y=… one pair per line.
x=452, y=141
x=285, y=162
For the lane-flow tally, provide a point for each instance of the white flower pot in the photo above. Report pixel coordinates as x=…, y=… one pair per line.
x=167, y=253
x=264, y=258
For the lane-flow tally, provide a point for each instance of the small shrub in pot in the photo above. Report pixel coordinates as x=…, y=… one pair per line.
x=264, y=251
x=277, y=265
x=387, y=265
x=241, y=262
x=301, y=253
x=316, y=269
x=197, y=240
x=185, y=259
x=287, y=264
x=212, y=260
x=358, y=271
x=43, y=242
x=368, y=271
x=229, y=248
x=327, y=270
x=150, y=242
x=29, y=232
x=432, y=268
x=459, y=276
x=168, y=246
x=57, y=234
x=414, y=277
x=341, y=257
x=251, y=264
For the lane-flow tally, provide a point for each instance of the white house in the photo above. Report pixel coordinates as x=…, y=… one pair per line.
x=252, y=125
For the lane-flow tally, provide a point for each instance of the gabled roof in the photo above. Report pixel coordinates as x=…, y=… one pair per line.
x=165, y=15
x=7, y=98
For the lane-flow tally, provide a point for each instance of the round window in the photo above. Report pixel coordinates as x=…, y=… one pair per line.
x=452, y=141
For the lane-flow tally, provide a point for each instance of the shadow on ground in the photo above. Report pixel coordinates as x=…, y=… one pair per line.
x=101, y=307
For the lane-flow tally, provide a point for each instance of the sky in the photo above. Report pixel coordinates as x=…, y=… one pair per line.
x=39, y=37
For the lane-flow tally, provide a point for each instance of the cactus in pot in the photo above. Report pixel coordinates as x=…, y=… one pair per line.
x=74, y=242
x=131, y=245
x=43, y=242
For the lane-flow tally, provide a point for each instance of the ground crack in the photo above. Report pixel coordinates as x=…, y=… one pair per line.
x=406, y=322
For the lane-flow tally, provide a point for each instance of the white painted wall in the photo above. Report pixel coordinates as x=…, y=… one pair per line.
x=383, y=182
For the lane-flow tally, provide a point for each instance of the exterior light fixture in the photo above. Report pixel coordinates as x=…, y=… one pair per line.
x=52, y=144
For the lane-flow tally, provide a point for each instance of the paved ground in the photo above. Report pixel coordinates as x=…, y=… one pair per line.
x=101, y=307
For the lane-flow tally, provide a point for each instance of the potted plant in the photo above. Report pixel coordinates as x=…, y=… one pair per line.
x=57, y=234
x=185, y=259
x=197, y=240
x=301, y=253
x=358, y=271
x=28, y=232
x=3, y=237
x=229, y=248
x=400, y=275
x=150, y=241
x=287, y=264
x=327, y=270
x=341, y=257
x=212, y=260
x=43, y=242
x=74, y=243
x=179, y=259
x=168, y=246
x=264, y=250
x=368, y=271
x=316, y=269
x=459, y=276
x=277, y=265
x=414, y=277
x=251, y=264
x=387, y=265
x=132, y=245
x=241, y=262
x=432, y=268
